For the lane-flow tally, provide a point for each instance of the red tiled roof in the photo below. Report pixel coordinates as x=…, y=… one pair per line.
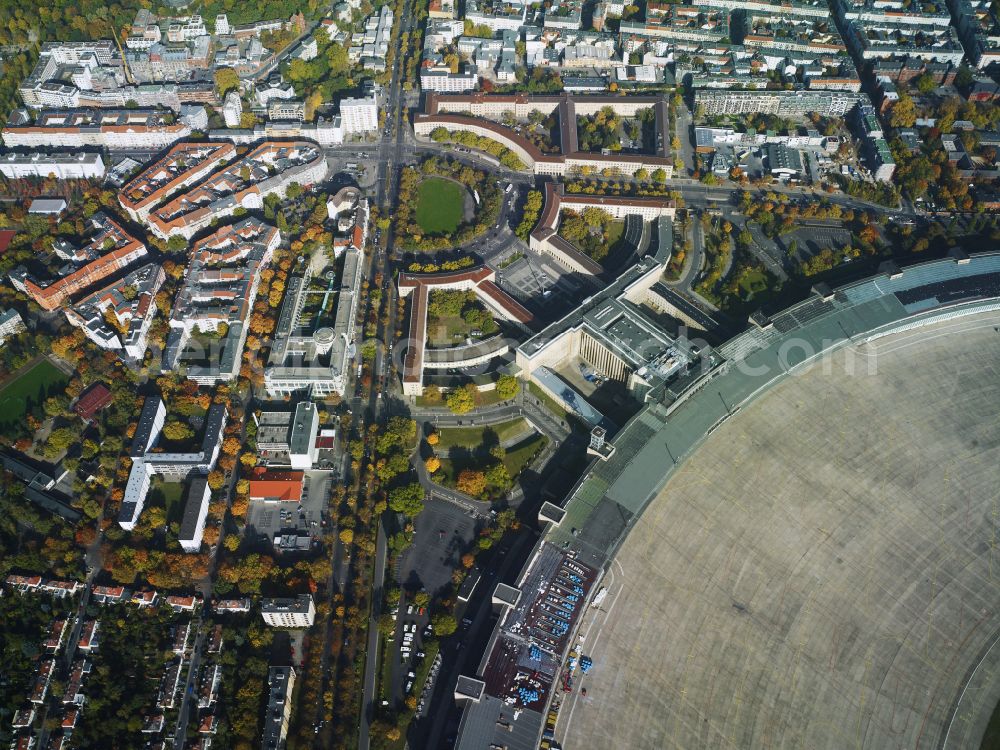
x=160, y=187
x=475, y=275
x=92, y=400
x=6, y=237
x=283, y=485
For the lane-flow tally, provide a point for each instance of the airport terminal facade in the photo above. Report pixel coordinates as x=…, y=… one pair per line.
x=678, y=415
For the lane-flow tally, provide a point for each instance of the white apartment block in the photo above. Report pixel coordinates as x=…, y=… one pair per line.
x=146, y=462
x=112, y=129
x=286, y=109
x=11, y=324
x=195, y=512
x=446, y=82
x=280, y=681
x=780, y=103
x=299, y=612
x=232, y=110
x=359, y=115
x=78, y=166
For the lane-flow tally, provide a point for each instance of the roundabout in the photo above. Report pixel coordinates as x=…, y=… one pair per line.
x=821, y=571
x=445, y=204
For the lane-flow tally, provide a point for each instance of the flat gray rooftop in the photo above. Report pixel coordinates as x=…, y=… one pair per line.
x=819, y=572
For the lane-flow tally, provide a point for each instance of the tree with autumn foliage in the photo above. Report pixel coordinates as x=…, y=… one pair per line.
x=247, y=573
x=216, y=480
x=240, y=506
x=471, y=482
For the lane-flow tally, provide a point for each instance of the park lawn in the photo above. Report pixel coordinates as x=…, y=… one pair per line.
x=472, y=437
x=482, y=398
x=519, y=456
x=487, y=398
x=616, y=229
x=441, y=332
x=440, y=206
x=172, y=496
x=515, y=460
x=29, y=390
x=385, y=655
x=588, y=246
x=752, y=281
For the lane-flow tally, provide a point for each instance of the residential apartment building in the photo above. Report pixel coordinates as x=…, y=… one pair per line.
x=147, y=462
x=359, y=116
x=75, y=166
x=11, y=324
x=185, y=164
x=445, y=82
x=280, y=681
x=978, y=24
x=118, y=316
x=299, y=612
x=109, y=249
x=195, y=512
x=375, y=41
x=871, y=39
x=286, y=109
x=781, y=103
x=497, y=14
x=129, y=129
x=232, y=110
x=694, y=23
x=219, y=289
x=268, y=169
x=879, y=158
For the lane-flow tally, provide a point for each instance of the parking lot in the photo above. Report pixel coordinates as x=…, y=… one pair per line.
x=412, y=628
x=440, y=535
x=811, y=239
x=358, y=167
x=306, y=517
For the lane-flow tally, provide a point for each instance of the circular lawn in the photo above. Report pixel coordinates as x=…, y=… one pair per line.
x=440, y=206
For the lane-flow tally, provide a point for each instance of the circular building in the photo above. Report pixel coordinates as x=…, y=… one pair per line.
x=821, y=571
x=324, y=338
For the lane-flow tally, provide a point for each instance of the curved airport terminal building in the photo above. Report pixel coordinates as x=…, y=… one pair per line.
x=791, y=544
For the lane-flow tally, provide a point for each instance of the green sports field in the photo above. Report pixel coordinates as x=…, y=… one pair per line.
x=29, y=390
x=439, y=206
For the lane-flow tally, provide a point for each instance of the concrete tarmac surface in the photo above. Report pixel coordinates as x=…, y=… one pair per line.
x=822, y=572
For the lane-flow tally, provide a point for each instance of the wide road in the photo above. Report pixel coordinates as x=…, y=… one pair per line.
x=390, y=155
x=378, y=584
x=190, y=683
